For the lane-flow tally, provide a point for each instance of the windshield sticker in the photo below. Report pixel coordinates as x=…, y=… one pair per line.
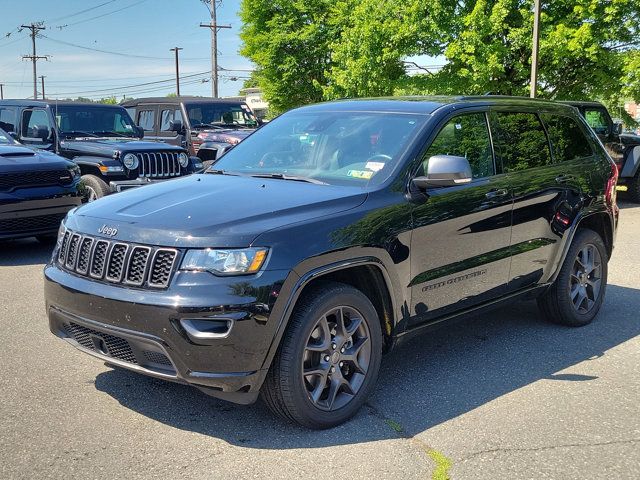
x=375, y=166
x=360, y=174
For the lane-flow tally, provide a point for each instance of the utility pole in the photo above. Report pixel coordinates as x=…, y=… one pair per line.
x=215, y=28
x=534, y=50
x=1, y=91
x=42, y=79
x=35, y=28
x=177, y=49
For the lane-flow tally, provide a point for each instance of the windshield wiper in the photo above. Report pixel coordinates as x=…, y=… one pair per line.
x=208, y=125
x=221, y=172
x=76, y=133
x=118, y=134
x=282, y=176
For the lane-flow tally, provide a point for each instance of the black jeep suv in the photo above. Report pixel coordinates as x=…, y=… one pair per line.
x=101, y=139
x=330, y=234
x=207, y=127
x=37, y=189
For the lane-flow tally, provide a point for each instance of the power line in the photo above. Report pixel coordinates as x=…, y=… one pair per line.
x=80, y=12
x=99, y=16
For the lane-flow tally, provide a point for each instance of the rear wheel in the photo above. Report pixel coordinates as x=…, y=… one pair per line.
x=577, y=294
x=95, y=188
x=329, y=358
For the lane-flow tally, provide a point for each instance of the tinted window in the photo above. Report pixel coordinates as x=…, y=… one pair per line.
x=215, y=113
x=597, y=119
x=567, y=139
x=167, y=116
x=465, y=136
x=31, y=120
x=8, y=119
x=79, y=119
x=341, y=148
x=147, y=120
x=519, y=141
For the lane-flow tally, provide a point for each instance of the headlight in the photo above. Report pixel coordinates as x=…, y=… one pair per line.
x=183, y=158
x=225, y=262
x=130, y=161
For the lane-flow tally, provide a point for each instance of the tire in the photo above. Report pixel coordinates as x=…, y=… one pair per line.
x=558, y=304
x=95, y=188
x=633, y=188
x=290, y=394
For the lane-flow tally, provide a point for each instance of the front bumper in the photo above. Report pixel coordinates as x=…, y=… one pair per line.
x=22, y=217
x=141, y=330
x=122, y=185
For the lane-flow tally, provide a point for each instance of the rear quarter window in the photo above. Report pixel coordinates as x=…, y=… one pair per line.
x=568, y=140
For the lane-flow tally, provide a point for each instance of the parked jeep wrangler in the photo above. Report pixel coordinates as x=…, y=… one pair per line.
x=624, y=148
x=346, y=227
x=206, y=127
x=101, y=139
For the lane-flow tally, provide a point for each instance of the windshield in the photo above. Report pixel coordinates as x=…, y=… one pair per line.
x=5, y=138
x=233, y=115
x=80, y=120
x=338, y=148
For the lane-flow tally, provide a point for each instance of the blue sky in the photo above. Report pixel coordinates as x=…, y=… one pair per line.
x=144, y=28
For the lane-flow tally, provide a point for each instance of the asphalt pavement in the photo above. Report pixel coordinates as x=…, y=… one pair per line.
x=502, y=395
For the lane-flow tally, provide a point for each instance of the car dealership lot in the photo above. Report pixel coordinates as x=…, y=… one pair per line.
x=504, y=395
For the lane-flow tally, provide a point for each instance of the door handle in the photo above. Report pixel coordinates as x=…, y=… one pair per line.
x=499, y=193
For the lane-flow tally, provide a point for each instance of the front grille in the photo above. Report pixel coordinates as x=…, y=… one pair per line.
x=31, y=224
x=117, y=262
x=158, y=165
x=101, y=342
x=157, y=357
x=27, y=179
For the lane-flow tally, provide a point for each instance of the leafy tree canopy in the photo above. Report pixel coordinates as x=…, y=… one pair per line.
x=312, y=50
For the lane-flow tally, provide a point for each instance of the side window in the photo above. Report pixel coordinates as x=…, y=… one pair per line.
x=32, y=120
x=465, y=136
x=147, y=120
x=167, y=116
x=568, y=142
x=519, y=141
x=597, y=119
x=131, y=111
x=8, y=119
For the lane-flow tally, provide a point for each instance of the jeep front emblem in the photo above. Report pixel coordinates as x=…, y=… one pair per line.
x=108, y=231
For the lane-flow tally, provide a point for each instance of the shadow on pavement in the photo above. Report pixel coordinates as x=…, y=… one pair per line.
x=425, y=382
x=26, y=251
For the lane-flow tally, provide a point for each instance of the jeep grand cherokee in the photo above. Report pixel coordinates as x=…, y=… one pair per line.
x=330, y=234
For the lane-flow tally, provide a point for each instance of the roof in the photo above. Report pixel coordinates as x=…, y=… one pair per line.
x=582, y=103
x=428, y=104
x=181, y=99
x=44, y=103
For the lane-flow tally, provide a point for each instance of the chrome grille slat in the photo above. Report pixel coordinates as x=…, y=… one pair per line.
x=117, y=262
x=158, y=165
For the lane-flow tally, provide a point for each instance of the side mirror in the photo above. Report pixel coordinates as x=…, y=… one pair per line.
x=175, y=126
x=14, y=135
x=40, y=131
x=139, y=131
x=617, y=128
x=445, y=171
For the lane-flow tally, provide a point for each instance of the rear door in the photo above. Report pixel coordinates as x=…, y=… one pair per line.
x=460, y=242
x=540, y=186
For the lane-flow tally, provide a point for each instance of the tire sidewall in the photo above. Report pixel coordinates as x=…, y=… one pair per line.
x=324, y=302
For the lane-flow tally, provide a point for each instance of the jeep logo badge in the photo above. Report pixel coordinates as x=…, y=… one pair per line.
x=108, y=231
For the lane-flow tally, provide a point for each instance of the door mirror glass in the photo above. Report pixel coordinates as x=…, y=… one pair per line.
x=139, y=131
x=445, y=171
x=617, y=128
x=175, y=126
x=40, y=131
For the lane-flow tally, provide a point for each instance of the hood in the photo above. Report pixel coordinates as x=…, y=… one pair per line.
x=207, y=210
x=15, y=158
x=228, y=135
x=106, y=147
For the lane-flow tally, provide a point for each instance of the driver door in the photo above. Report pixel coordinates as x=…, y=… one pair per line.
x=460, y=252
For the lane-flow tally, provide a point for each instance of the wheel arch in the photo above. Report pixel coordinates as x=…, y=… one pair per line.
x=366, y=274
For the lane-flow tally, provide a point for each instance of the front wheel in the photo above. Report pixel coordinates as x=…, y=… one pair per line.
x=94, y=187
x=577, y=294
x=329, y=358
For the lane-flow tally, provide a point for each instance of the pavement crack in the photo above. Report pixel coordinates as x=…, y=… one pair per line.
x=547, y=447
x=441, y=461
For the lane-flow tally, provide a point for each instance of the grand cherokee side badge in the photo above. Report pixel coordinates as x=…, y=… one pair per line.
x=108, y=231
